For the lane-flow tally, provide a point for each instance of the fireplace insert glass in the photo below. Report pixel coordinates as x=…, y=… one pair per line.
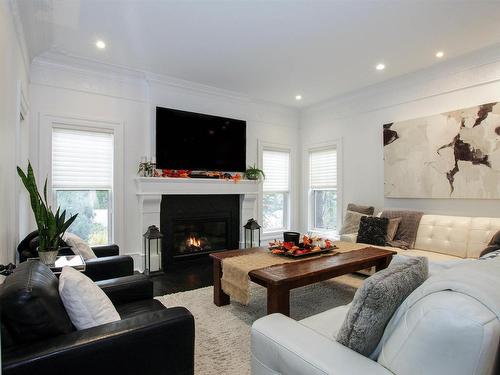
x=199, y=236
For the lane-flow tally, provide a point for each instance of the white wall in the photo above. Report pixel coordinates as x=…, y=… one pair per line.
x=13, y=77
x=357, y=120
x=60, y=88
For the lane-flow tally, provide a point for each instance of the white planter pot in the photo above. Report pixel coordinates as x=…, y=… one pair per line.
x=48, y=257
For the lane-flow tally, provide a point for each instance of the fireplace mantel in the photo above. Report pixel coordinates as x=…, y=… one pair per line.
x=168, y=185
x=149, y=191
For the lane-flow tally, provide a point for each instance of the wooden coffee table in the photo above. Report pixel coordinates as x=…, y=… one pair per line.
x=280, y=279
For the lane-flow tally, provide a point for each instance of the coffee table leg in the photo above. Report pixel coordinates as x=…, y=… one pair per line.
x=278, y=300
x=220, y=298
x=383, y=263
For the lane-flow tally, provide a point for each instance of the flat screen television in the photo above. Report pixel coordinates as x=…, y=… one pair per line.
x=199, y=142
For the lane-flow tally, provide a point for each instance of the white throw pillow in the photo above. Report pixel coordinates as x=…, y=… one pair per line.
x=79, y=246
x=86, y=304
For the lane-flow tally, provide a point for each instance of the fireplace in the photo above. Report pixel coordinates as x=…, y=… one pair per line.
x=196, y=225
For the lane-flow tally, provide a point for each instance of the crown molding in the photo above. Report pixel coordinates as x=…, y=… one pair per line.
x=466, y=71
x=20, y=35
x=57, y=60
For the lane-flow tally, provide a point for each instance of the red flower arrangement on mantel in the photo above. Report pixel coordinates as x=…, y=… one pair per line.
x=177, y=173
x=184, y=173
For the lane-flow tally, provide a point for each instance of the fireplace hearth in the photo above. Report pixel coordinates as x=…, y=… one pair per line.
x=197, y=225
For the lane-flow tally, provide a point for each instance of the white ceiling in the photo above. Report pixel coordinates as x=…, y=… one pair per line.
x=270, y=50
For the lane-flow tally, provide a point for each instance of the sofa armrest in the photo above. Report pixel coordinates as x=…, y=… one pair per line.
x=127, y=289
x=281, y=345
x=109, y=267
x=106, y=250
x=160, y=342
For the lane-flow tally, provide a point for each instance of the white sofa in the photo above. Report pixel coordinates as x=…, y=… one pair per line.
x=448, y=326
x=442, y=238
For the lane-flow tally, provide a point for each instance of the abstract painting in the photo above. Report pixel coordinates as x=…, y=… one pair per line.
x=451, y=155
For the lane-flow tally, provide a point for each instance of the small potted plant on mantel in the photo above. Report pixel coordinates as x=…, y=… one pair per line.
x=254, y=173
x=51, y=227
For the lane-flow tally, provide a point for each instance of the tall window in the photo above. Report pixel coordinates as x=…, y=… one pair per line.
x=276, y=190
x=323, y=189
x=82, y=181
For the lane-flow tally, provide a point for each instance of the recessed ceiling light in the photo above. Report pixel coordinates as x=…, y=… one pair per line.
x=100, y=44
x=298, y=97
x=380, y=67
x=439, y=54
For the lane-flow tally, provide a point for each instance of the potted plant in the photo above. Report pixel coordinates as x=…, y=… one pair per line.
x=254, y=173
x=51, y=227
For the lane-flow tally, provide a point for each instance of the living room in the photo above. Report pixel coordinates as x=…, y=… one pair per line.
x=347, y=121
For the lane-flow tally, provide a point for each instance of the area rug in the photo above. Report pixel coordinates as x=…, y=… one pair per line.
x=223, y=333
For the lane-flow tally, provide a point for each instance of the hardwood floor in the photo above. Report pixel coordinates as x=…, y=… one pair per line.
x=183, y=276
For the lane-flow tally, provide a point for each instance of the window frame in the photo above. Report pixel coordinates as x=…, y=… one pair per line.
x=47, y=123
x=308, y=192
x=288, y=209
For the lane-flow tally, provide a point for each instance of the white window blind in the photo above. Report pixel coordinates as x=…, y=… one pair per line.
x=82, y=159
x=276, y=166
x=323, y=169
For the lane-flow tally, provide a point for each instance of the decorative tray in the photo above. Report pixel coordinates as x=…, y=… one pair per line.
x=309, y=246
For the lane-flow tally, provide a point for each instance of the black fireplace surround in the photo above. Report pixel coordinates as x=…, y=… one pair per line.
x=194, y=225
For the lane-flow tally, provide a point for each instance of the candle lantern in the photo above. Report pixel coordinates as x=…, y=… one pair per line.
x=252, y=234
x=152, y=250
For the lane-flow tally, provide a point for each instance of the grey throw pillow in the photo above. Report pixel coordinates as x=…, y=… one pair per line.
x=377, y=300
x=351, y=222
x=392, y=228
x=367, y=210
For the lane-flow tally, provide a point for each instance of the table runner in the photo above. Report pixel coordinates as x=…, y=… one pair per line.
x=235, y=280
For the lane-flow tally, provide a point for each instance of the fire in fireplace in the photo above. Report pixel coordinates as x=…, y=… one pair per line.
x=194, y=243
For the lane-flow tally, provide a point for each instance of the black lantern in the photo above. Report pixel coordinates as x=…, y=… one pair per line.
x=152, y=250
x=252, y=234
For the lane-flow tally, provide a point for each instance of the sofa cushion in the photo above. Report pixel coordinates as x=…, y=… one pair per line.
x=372, y=230
x=328, y=322
x=31, y=307
x=377, y=300
x=86, y=304
x=444, y=234
x=79, y=246
x=349, y=237
x=366, y=210
x=351, y=222
x=129, y=310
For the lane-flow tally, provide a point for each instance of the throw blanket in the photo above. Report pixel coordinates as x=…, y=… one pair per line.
x=407, y=230
x=235, y=280
x=477, y=279
x=493, y=245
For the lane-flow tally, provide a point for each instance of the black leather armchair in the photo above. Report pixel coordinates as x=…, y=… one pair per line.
x=108, y=264
x=150, y=338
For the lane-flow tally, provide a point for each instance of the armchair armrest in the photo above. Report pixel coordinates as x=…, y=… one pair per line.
x=127, y=289
x=109, y=267
x=106, y=250
x=160, y=342
x=281, y=345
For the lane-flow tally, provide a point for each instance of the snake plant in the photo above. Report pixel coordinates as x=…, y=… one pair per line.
x=51, y=227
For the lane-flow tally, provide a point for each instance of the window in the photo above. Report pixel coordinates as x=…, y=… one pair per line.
x=276, y=190
x=323, y=189
x=82, y=181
